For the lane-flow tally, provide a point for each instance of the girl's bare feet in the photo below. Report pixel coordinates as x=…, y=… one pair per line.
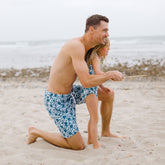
x=99, y=145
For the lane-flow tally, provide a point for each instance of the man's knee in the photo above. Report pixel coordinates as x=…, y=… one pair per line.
x=76, y=142
x=79, y=147
x=110, y=95
x=106, y=97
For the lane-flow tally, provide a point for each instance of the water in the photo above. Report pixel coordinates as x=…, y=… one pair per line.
x=33, y=54
x=134, y=49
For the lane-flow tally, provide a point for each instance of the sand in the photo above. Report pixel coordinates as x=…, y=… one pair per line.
x=139, y=114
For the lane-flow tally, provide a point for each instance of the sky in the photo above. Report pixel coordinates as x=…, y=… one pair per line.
x=64, y=19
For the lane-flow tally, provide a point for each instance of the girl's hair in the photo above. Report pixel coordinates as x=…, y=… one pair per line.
x=95, y=51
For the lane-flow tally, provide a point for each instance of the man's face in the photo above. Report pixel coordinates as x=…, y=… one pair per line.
x=101, y=32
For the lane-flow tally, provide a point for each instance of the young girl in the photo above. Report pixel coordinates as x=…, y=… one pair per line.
x=93, y=58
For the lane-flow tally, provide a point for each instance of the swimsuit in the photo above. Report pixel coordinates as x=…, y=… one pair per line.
x=62, y=107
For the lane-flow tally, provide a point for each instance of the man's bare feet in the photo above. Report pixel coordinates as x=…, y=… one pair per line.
x=112, y=135
x=32, y=135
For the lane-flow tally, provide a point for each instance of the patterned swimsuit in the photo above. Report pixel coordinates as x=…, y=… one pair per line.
x=62, y=107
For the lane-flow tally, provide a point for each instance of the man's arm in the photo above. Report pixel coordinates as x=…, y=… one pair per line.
x=114, y=75
x=81, y=69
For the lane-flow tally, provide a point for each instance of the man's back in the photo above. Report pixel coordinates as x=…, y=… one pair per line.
x=62, y=75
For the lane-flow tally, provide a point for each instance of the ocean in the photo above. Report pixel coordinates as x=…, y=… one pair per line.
x=35, y=54
x=130, y=55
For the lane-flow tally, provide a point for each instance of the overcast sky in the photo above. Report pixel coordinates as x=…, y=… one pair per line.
x=64, y=19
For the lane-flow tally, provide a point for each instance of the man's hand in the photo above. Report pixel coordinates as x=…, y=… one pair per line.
x=115, y=75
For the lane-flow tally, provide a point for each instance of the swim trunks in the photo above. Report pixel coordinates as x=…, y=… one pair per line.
x=62, y=107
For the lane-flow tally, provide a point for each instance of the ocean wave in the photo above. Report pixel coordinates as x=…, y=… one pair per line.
x=25, y=44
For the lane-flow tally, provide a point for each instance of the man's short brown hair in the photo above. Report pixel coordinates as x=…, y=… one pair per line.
x=95, y=20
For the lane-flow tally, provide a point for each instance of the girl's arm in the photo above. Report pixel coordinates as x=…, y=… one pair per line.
x=96, y=67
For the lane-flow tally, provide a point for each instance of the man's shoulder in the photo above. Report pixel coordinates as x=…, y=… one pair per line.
x=75, y=46
x=75, y=43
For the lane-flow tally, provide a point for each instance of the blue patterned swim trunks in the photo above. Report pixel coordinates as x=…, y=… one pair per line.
x=62, y=108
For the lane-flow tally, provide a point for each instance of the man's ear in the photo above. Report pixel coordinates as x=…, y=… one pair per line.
x=91, y=29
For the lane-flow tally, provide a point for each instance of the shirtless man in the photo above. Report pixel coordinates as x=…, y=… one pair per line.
x=61, y=95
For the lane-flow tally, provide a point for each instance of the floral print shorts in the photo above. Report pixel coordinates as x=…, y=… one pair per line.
x=62, y=108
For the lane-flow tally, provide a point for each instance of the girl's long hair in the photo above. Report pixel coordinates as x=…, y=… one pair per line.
x=95, y=51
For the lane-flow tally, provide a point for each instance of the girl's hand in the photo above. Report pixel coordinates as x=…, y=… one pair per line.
x=106, y=90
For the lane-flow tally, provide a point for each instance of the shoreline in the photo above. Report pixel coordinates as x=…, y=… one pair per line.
x=149, y=69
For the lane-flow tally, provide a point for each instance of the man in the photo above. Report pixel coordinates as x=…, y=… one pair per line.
x=61, y=96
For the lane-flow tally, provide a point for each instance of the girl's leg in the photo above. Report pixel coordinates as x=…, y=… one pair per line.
x=92, y=105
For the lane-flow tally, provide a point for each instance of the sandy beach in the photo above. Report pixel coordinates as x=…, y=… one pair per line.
x=139, y=114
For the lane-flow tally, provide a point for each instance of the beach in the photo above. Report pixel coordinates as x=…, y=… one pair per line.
x=139, y=112
x=139, y=107
x=35, y=33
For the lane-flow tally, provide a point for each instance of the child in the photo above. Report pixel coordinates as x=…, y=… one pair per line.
x=93, y=58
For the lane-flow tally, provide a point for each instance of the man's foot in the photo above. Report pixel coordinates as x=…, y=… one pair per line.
x=112, y=135
x=32, y=135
